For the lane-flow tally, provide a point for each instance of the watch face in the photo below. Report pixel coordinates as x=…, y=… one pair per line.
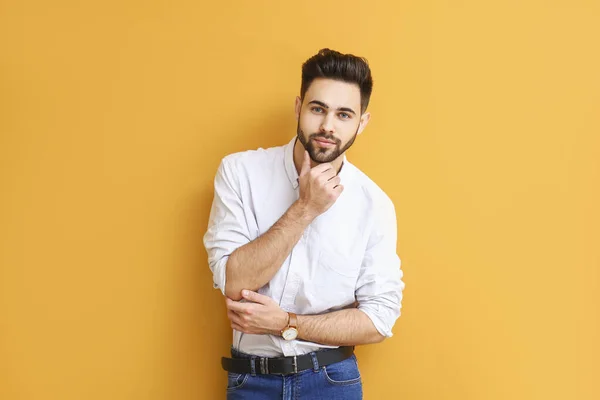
x=290, y=334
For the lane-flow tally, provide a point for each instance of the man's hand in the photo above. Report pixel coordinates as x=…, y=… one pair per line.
x=319, y=187
x=259, y=316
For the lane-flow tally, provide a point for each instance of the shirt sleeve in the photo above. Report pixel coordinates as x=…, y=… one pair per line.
x=227, y=228
x=379, y=287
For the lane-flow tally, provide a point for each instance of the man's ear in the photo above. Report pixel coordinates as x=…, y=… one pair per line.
x=298, y=107
x=364, y=120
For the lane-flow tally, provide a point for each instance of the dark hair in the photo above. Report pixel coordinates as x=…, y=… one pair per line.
x=343, y=67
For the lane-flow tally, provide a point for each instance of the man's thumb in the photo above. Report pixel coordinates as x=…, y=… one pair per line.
x=305, y=164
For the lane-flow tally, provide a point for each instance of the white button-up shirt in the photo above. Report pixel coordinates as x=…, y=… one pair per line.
x=346, y=254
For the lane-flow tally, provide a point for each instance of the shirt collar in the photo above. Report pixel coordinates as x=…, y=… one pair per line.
x=290, y=167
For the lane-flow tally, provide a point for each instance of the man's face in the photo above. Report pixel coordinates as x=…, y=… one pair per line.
x=329, y=118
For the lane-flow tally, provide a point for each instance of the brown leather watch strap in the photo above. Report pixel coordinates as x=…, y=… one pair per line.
x=293, y=323
x=287, y=325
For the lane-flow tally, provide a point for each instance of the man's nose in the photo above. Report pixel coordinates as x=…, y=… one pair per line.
x=327, y=124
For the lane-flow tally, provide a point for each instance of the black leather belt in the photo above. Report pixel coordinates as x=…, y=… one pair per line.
x=285, y=365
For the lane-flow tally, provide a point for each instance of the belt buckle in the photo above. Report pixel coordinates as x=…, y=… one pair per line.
x=295, y=364
x=264, y=365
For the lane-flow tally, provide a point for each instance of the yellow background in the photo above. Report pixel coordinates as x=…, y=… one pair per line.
x=485, y=133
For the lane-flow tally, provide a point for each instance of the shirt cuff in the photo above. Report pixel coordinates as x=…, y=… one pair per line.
x=219, y=274
x=374, y=313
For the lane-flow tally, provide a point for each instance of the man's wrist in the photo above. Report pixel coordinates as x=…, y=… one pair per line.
x=284, y=322
x=303, y=211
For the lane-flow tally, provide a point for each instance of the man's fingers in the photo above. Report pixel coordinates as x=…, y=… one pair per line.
x=333, y=182
x=321, y=168
x=237, y=306
x=256, y=297
x=329, y=174
x=305, y=164
x=234, y=317
x=237, y=321
x=338, y=189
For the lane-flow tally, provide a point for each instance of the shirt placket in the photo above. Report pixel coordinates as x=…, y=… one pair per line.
x=298, y=264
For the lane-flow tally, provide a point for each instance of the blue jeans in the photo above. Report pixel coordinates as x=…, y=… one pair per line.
x=339, y=381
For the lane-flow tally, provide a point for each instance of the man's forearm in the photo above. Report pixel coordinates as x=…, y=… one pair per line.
x=347, y=327
x=253, y=265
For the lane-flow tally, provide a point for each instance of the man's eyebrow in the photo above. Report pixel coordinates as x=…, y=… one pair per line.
x=326, y=106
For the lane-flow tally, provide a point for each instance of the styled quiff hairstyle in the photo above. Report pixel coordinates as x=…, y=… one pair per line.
x=348, y=68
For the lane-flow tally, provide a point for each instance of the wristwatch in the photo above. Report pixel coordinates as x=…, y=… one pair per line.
x=291, y=331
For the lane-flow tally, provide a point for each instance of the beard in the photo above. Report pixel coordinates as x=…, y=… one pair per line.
x=322, y=155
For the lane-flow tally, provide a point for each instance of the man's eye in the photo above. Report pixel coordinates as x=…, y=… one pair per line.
x=317, y=109
x=344, y=115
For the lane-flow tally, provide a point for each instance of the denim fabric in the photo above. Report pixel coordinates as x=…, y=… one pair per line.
x=339, y=381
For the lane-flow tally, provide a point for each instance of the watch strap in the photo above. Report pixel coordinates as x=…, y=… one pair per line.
x=293, y=321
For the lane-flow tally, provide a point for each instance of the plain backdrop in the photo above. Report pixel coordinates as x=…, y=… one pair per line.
x=485, y=133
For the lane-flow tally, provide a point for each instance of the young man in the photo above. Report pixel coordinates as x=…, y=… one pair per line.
x=303, y=245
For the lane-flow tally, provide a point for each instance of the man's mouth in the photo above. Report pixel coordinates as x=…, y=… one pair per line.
x=324, y=142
